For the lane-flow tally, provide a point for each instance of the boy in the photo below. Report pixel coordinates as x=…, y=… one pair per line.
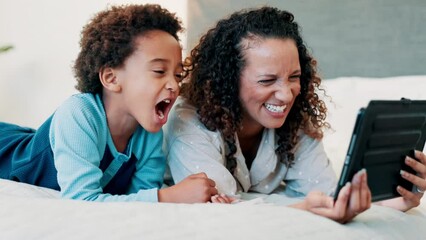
x=104, y=144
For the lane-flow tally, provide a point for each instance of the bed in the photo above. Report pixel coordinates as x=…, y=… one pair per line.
x=29, y=212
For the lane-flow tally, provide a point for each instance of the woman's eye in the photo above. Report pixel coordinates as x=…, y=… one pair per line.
x=266, y=81
x=295, y=78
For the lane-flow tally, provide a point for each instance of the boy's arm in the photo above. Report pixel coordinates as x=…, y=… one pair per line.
x=78, y=140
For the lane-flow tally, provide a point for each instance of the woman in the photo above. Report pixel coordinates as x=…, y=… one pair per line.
x=250, y=117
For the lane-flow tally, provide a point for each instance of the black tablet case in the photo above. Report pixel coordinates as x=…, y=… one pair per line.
x=385, y=132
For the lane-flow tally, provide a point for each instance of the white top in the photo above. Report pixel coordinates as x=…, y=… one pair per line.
x=191, y=148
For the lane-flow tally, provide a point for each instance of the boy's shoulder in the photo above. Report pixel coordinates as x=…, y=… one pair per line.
x=83, y=102
x=81, y=99
x=82, y=106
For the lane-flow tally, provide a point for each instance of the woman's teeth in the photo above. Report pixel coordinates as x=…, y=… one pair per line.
x=275, y=108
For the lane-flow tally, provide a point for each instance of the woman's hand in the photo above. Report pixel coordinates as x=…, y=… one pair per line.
x=196, y=188
x=353, y=199
x=408, y=198
x=222, y=198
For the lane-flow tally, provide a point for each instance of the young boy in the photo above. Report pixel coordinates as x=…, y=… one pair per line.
x=105, y=144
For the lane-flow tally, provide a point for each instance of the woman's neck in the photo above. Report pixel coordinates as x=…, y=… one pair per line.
x=250, y=137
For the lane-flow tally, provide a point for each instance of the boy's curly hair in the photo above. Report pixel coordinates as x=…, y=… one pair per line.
x=109, y=38
x=214, y=68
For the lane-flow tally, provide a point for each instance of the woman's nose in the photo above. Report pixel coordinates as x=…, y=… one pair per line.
x=284, y=93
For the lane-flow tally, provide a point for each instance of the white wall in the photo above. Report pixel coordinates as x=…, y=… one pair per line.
x=36, y=75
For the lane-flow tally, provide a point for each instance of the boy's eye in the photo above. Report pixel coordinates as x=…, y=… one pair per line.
x=159, y=71
x=179, y=76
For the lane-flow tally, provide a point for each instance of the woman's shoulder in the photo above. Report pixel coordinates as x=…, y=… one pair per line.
x=184, y=110
x=183, y=115
x=184, y=121
x=307, y=143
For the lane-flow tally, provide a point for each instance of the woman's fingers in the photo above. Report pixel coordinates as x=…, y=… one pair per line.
x=355, y=198
x=420, y=156
x=419, y=182
x=365, y=193
x=418, y=166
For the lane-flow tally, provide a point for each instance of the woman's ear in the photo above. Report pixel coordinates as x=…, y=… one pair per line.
x=109, y=80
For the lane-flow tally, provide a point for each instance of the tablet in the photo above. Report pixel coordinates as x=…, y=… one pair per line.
x=384, y=133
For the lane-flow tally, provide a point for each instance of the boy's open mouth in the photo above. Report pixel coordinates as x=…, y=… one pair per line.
x=162, y=108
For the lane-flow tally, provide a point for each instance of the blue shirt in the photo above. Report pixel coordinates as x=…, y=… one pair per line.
x=73, y=151
x=79, y=135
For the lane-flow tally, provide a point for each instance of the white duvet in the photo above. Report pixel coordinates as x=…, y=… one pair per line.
x=29, y=212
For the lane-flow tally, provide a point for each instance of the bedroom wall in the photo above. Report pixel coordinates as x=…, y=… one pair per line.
x=36, y=75
x=365, y=38
x=350, y=38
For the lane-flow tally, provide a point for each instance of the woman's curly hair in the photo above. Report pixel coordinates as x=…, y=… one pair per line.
x=214, y=68
x=109, y=39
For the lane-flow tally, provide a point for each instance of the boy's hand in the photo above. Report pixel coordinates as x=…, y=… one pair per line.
x=196, y=188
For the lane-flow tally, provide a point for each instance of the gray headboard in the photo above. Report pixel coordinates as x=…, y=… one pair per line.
x=366, y=38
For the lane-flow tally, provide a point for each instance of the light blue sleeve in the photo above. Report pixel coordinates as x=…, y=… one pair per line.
x=78, y=136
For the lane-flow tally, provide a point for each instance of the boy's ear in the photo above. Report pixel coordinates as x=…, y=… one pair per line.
x=109, y=79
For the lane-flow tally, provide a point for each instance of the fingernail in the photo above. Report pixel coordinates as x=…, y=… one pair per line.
x=402, y=172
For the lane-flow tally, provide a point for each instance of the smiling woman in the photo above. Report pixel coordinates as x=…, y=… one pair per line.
x=251, y=117
x=269, y=84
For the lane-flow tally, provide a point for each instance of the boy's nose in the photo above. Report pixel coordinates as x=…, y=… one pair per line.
x=172, y=85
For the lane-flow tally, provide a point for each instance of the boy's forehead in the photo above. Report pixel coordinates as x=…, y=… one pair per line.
x=156, y=38
x=153, y=51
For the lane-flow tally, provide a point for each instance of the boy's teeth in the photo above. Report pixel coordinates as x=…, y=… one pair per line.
x=167, y=101
x=160, y=114
x=274, y=108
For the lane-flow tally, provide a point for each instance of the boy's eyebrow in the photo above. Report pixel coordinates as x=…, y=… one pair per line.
x=163, y=60
x=159, y=60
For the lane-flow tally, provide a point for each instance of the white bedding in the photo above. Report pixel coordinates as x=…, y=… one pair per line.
x=29, y=212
